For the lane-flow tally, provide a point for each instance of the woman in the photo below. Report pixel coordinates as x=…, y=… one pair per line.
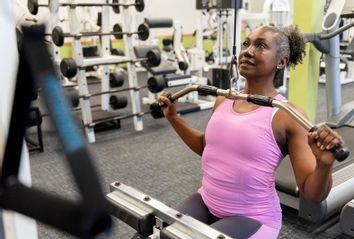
x=244, y=144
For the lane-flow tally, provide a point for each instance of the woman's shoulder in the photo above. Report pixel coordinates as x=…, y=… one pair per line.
x=218, y=101
x=287, y=120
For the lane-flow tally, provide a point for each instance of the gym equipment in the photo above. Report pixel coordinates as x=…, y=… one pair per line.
x=327, y=42
x=69, y=68
x=158, y=22
x=179, y=51
x=35, y=119
x=117, y=52
x=161, y=81
x=143, y=31
x=211, y=4
x=33, y=5
x=154, y=85
x=338, y=118
x=116, y=102
x=111, y=117
x=347, y=218
x=79, y=218
x=340, y=153
x=58, y=34
x=276, y=12
x=116, y=79
x=105, y=61
x=153, y=219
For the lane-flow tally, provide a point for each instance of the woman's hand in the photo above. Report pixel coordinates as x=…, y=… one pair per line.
x=170, y=109
x=321, y=141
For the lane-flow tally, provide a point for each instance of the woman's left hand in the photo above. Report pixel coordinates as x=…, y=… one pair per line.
x=321, y=141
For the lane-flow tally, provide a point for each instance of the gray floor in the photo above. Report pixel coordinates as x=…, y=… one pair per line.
x=154, y=161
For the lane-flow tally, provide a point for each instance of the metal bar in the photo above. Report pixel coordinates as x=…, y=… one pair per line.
x=107, y=60
x=118, y=117
x=233, y=94
x=177, y=224
x=336, y=32
x=340, y=153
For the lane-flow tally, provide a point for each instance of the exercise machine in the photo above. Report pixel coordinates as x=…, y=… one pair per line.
x=220, y=15
x=153, y=219
x=346, y=44
x=176, y=70
x=338, y=117
x=347, y=218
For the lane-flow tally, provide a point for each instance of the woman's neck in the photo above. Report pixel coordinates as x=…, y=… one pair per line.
x=260, y=89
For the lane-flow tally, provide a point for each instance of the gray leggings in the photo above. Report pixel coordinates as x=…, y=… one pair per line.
x=236, y=227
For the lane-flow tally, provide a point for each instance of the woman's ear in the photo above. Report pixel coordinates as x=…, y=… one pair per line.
x=282, y=63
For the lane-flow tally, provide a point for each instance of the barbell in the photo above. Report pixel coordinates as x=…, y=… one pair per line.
x=154, y=85
x=58, y=34
x=33, y=5
x=68, y=66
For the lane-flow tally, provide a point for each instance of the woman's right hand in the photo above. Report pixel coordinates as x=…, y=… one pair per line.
x=170, y=108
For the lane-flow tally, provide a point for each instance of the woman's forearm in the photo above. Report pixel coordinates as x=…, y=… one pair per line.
x=192, y=137
x=318, y=184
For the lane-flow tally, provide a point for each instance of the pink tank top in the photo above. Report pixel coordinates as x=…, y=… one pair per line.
x=239, y=162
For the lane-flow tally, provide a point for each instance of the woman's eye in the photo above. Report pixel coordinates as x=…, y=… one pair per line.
x=245, y=44
x=261, y=46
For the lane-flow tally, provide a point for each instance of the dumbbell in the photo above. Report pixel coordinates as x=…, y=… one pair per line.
x=69, y=68
x=116, y=102
x=117, y=52
x=116, y=78
x=58, y=34
x=33, y=5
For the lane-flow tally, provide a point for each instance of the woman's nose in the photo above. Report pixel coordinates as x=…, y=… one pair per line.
x=249, y=51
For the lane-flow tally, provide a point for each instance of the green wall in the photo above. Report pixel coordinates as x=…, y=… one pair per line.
x=303, y=84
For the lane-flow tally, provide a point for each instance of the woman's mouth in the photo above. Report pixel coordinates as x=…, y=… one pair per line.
x=246, y=62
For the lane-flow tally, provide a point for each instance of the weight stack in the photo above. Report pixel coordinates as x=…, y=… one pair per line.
x=220, y=78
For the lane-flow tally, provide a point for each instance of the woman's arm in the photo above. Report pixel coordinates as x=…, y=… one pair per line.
x=311, y=159
x=193, y=138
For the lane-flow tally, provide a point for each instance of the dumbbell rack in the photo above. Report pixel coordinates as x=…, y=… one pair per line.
x=81, y=75
x=54, y=21
x=87, y=116
x=132, y=73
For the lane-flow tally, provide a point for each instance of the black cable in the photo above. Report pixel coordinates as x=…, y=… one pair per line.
x=234, y=57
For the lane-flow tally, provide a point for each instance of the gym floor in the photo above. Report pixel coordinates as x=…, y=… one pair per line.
x=155, y=161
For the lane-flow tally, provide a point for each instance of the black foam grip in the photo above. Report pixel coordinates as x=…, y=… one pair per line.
x=207, y=89
x=156, y=110
x=260, y=100
x=340, y=153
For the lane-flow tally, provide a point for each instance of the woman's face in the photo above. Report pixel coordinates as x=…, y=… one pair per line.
x=259, y=54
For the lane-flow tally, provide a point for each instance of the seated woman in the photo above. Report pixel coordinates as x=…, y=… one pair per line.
x=243, y=145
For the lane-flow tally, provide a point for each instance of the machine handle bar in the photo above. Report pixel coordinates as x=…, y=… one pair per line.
x=340, y=153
